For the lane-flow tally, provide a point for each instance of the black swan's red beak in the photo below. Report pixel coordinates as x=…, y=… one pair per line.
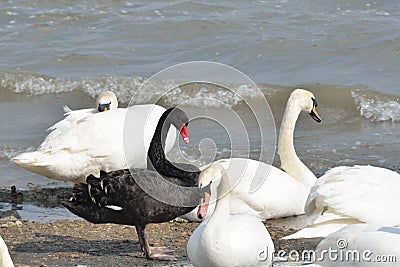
x=184, y=133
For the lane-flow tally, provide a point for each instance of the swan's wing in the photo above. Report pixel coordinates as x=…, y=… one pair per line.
x=369, y=194
x=88, y=133
x=124, y=189
x=82, y=205
x=379, y=242
x=71, y=117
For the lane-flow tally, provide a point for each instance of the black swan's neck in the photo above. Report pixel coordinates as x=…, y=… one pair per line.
x=156, y=153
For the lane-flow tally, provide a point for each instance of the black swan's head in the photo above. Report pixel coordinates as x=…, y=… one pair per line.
x=180, y=120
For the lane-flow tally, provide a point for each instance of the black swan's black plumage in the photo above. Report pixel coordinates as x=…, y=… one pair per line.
x=116, y=197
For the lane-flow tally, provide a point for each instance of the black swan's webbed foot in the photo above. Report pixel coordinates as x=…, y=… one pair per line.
x=161, y=254
x=153, y=253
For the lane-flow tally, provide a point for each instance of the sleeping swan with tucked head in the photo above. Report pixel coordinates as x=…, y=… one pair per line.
x=90, y=140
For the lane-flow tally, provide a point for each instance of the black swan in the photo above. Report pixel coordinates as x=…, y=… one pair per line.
x=118, y=197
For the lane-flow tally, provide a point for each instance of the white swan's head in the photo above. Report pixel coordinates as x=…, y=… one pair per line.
x=107, y=101
x=211, y=174
x=307, y=102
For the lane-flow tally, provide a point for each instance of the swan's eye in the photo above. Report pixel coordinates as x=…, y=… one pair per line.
x=315, y=103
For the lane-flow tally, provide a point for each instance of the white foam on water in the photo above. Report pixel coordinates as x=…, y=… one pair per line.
x=130, y=89
x=34, y=84
x=8, y=152
x=376, y=109
x=211, y=97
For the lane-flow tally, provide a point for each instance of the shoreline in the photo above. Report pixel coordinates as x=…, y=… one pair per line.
x=80, y=243
x=50, y=241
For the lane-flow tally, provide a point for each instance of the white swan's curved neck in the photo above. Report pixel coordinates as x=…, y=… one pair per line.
x=290, y=162
x=222, y=206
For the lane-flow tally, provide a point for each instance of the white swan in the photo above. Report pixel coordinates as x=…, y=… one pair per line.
x=5, y=258
x=86, y=142
x=224, y=239
x=283, y=193
x=360, y=245
x=105, y=101
x=348, y=195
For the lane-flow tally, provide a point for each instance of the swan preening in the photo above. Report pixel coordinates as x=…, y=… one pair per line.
x=87, y=141
x=224, y=239
x=5, y=258
x=139, y=197
x=348, y=195
x=283, y=193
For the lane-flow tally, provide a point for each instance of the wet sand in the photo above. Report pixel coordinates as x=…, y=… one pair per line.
x=73, y=243
x=80, y=243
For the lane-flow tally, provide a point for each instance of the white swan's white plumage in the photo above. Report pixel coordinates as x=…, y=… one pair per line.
x=348, y=195
x=86, y=142
x=73, y=116
x=282, y=193
x=361, y=245
x=5, y=258
x=225, y=239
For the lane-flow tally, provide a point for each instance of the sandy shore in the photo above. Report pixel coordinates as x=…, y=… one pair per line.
x=80, y=243
x=74, y=243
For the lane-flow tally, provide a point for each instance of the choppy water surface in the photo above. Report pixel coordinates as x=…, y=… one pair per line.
x=56, y=53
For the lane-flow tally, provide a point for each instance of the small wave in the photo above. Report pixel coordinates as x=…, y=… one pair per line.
x=7, y=152
x=209, y=96
x=130, y=89
x=34, y=84
x=167, y=92
x=375, y=107
x=370, y=104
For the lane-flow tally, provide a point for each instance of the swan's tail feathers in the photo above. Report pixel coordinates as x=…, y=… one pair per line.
x=316, y=231
x=91, y=179
x=80, y=194
x=34, y=159
x=82, y=205
x=80, y=200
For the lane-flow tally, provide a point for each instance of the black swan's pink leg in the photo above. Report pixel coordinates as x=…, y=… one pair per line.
x=153, y=253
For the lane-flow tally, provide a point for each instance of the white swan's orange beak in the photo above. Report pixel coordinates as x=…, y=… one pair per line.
x=184, y=133
x=313, y=112
x=314, y=115
x=203, y=206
